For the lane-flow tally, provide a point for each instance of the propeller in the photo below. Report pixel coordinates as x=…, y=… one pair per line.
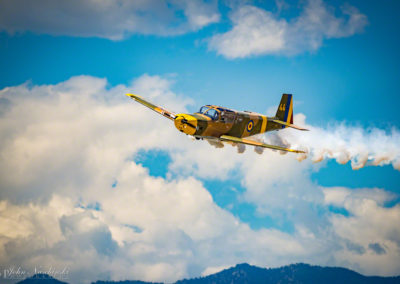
x=184, y=120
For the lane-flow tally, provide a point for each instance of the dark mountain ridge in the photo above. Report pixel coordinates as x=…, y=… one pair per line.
x=245, y=273
x=294, y=273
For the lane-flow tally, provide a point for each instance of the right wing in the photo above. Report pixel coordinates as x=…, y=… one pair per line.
x=255, y=143
x=160, y=110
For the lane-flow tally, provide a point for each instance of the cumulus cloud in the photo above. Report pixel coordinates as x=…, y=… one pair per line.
x=98, y=244
x=64, y=147
x=256, y=31
x=72, y=195
x=74, y=123
x=113, y=20
x=370, y=224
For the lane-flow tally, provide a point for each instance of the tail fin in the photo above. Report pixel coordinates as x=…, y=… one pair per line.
x=285, y=109
x=284, y=114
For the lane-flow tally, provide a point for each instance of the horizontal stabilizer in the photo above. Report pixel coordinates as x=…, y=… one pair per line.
x=288, y=124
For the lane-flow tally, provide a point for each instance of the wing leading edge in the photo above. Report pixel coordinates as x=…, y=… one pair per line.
x=255, y=143
x=168, y=114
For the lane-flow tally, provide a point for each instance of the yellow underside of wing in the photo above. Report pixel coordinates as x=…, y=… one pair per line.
x=160, y=110
x=255, y=143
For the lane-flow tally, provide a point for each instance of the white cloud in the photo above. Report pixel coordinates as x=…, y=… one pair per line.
x=64, y=145
x=199, y=13
x=256, y=31
x=107, y=19
x=58, y=135
x=369, y=224
x=339, y=196
x=180, y=229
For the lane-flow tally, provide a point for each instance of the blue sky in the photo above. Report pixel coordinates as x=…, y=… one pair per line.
x=342, y=72
x=339, y=59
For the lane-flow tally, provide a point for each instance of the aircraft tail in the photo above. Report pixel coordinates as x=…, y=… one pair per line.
x=285, y=109
x=284, y=114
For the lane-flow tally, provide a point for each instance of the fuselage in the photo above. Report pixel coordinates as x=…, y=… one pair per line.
x=214, y=121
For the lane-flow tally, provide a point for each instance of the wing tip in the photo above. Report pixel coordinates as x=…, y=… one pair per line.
x=132, y=96
x=293, y=151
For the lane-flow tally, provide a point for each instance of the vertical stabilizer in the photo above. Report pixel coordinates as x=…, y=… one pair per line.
x=285, y=109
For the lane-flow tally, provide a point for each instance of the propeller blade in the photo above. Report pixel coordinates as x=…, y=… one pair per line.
x=188, y=123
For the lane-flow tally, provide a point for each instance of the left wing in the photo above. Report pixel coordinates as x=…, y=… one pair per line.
x=255, y=143
x=160, y=110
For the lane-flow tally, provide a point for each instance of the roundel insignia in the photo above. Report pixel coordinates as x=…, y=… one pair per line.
x=250, y=126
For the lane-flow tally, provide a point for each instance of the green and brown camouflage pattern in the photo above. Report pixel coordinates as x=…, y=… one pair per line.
x=242, y=123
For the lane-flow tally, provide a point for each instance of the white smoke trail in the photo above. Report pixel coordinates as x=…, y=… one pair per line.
x=345, y=143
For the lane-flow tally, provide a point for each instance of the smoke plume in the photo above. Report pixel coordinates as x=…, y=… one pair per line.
x=361, y=147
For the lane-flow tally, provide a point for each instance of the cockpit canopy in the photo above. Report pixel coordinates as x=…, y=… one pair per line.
x=203, y=109
x=218, y=113
x=210, y=112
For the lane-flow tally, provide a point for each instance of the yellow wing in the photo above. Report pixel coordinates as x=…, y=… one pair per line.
x=160, y=110
x=255, y=143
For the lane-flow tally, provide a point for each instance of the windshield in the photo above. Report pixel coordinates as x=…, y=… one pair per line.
x=212, y=113
x=203, y=109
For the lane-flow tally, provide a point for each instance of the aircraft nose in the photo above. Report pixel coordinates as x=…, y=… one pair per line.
x=186, y=123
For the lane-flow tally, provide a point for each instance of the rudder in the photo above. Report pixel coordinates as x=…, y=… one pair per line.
x=285, y=109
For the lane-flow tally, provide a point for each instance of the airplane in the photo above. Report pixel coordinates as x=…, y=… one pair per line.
x=219, y=124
